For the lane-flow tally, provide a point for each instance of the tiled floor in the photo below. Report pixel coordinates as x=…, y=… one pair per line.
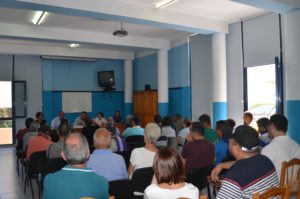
x=11, y=185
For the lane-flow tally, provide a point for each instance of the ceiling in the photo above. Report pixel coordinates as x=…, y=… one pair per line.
x=146, y=33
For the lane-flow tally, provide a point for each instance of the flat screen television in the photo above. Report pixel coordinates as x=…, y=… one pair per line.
x=106, y=79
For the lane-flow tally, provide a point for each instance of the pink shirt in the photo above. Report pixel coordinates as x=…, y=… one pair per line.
x=35, y=144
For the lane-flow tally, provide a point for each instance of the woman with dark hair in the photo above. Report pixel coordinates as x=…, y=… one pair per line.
x=167, y=130
x=169, y=173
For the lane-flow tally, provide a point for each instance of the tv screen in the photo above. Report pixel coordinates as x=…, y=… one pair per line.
x=106, y=79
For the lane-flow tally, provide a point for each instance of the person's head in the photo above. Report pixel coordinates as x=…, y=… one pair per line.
x=75, y=149
x=152, y=133
x=168, y=166
x=166, y=121
x=100, y=115
x=262, y=124
x=44, y=131
x=28, y=122
x=205, y=120
x=186, y=122
x=110, y=120
x=34, y=126
x=64, y=122
x=158, y=119
x=196, y=130
x=63, y=130
x=278, y=125
x=129, y=119
x=102, y=139
x=244, y=142
x=39, y=116
x=117, y=113
x=231, y=122
x=177, y=116
x=247, y=117
x=83, y=115
x=136, y=121
x=61, y=115
x=219, y=125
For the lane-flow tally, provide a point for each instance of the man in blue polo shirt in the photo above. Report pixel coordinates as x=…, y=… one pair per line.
x=103, y=161
x=135, y=129
x=75, y=180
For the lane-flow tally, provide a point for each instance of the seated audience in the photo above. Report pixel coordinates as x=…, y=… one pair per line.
x=39, y=118
x=33, y=131
x=135, y=129
x=88, y=131
x=117, y=144
x=231, y=123
x=22, y=132
x=75, y=180
x=55, y=149
x=111, y=123
x=82, y=120
x=282, y=147
x=209, y=133
x=264, y=137
x=143, y=157
x=103, y=161
x=57, y=120
x=252, y=172
x=221, y=147
x=100, y=120
x=40, y=142
x=178, y=122
x=158, y=119
x=166, y=129
x=117, y=117
x=198, y=152
x=248, y=120
x=128, y=122
x=169, y=173
x=186, y=123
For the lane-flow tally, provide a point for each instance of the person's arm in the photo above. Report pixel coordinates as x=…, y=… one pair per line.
x=217, y=170
x=130, y=169
x=229, y=190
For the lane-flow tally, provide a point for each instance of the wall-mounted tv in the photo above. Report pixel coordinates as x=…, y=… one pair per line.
x=106, y=79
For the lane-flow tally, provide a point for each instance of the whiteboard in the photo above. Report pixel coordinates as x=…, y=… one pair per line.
x=74, y=102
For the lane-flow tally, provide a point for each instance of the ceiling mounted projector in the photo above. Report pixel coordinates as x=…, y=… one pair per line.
x=121, y=32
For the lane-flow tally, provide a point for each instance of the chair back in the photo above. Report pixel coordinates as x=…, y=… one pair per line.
x=36, y=163
x=273, y=192
x=141, y=178
x=120, y=189
x=134, y=141
x=290, y=177
x=198, y=177
x=55, y=164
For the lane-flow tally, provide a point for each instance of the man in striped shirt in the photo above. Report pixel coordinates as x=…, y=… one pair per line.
x=252, y=172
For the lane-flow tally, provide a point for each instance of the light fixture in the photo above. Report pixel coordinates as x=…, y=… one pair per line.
x=121, y=32
x=74, y=45
x=164, y=3
x=39, y=17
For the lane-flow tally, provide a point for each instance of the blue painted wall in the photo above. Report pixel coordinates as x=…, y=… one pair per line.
x=59, y=76
x=145, y=72
x=219, y=111
x=292, y=112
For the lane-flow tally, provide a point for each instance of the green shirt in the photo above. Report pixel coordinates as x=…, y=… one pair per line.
x=210, y=135
x=74, y=183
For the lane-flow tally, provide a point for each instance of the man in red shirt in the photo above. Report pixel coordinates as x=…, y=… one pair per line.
x=40, y=142
x=22, y=132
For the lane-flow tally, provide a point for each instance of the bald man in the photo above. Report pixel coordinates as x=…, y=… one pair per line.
x=103, y=161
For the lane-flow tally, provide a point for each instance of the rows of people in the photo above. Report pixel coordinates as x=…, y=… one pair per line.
x=252, y=158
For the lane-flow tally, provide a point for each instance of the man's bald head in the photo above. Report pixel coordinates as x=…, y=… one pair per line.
x=102, y=139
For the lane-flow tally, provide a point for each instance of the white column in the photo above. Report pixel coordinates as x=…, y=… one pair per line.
x=163, y=82
x=128, y=89
x=219, y=76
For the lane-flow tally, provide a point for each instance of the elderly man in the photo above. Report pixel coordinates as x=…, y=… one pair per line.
x=252, y=171
x=75, y=180
x=103, y=161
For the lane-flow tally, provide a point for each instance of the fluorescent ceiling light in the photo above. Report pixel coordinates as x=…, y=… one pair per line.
x=164, y=3
x=39, y=17
x=74, y=45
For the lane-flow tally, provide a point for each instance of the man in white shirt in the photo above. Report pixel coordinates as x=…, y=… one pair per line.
x=57, y=120
x=282, y=147
x=100, y=120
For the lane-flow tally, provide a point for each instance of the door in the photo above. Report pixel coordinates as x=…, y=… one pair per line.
x=6, y=113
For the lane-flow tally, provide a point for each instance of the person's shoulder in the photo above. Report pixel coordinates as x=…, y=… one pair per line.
x=151, y=188
x=190, y=187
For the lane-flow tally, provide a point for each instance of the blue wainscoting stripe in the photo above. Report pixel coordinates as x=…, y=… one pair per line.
x=128, y=109
x=163, y=109
x=180, y=101
x=52, y=104
x=293, y=111
x=219, y=111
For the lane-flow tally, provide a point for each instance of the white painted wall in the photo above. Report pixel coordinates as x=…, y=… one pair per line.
x=29, y=68
x=201, y=75
x=5, y=67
